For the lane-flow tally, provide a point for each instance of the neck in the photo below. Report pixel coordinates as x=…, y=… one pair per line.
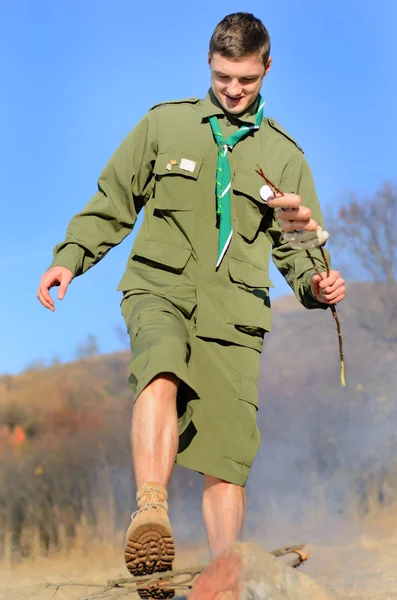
x=251, y=109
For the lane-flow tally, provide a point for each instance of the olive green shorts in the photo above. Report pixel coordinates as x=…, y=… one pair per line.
x=217, y=398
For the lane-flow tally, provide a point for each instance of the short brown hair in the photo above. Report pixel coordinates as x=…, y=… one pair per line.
x=239, y=35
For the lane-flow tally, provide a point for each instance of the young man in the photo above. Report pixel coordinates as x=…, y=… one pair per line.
x=196, y=288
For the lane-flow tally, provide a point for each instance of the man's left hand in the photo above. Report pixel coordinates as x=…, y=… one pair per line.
x=328, y=289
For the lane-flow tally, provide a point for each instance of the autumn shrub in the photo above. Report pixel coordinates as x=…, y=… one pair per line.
x=69, y=474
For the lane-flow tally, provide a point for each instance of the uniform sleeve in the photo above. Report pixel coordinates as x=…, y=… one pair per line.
x=295, y=265
x=124, y=186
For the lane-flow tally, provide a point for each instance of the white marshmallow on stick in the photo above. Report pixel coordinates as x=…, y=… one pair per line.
x=304, y=240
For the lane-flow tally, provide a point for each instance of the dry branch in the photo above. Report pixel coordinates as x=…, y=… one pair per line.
x=180, y=579
x=335, y=316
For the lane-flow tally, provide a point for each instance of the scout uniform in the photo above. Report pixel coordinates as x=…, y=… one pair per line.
x=185, y=315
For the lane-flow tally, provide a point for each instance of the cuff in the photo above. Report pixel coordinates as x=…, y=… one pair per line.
x=70, y=256
x=309, y=299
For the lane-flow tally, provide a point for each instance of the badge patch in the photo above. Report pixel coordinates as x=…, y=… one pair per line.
x=187, y=165
x=171, y=164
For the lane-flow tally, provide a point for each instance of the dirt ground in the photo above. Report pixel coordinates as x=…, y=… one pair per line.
x=363, y=569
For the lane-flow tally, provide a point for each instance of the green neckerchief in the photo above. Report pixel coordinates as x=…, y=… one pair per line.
x=223, y=180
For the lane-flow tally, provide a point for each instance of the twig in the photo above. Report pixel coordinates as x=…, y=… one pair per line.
x=181, y=579
x=122, y=592
x=299, y=549
x=332, y=306
x=164, y=580
x=73, y=583
x=335, y=316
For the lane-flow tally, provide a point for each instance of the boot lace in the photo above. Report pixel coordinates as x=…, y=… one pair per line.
x=150, y=496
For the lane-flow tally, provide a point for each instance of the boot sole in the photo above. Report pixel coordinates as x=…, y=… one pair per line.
x=150, y=549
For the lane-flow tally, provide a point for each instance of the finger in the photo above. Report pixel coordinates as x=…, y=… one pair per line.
x=44, y=302
x=307, y=225
x=329, y=289
x=322, y=275
x=44, y=293
x=336, y=300
x=284, y=201
x=47, y=282
x=315, y=278
x=331, y=279
x=63, y=287
x=334, y=295
x=291, y=214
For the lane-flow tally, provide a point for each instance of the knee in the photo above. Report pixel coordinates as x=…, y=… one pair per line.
x=220, y=486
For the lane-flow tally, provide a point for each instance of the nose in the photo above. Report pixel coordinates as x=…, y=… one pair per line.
x=234, y=88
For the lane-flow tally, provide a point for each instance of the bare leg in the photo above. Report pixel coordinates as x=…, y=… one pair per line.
x=154, y=439
x=154, y=431
x=224, y=506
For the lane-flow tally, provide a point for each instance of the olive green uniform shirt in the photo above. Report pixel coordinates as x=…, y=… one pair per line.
x=167, y=164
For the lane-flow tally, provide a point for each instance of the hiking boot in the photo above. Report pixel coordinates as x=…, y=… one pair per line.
x=149, y=542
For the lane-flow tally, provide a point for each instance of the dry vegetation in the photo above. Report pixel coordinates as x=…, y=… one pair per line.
x=326, y=472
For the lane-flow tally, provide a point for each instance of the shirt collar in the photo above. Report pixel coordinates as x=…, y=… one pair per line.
x=212, y=107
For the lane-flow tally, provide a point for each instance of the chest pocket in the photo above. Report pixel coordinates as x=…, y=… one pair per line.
x=248, y=207
x=176, y=174
x=250, y=311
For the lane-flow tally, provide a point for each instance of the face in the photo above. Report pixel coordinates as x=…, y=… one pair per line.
x=237, y=82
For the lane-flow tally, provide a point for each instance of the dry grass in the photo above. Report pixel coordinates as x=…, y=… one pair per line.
x=66, y=486
x=363, y=569
x=87, y=561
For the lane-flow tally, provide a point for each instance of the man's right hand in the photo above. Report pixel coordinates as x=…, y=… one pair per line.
x=55, y=276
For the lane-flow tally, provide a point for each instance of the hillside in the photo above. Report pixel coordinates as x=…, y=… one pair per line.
x=64, y=432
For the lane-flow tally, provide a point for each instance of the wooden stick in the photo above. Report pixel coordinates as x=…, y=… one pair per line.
x=166, y=579
x=335, y=316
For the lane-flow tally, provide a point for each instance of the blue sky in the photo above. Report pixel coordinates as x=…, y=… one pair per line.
x=75, y=76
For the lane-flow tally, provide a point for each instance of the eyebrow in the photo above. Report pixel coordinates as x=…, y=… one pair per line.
x=250, y=76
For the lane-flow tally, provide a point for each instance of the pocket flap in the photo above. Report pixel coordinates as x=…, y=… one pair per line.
x=161, y=253
x=249, y=274
x=177, y=163
x=249, y=185
x=249, y=207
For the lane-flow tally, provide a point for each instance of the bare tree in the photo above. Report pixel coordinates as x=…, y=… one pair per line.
x=122, y=336
x=88, y=348
x=366, y=233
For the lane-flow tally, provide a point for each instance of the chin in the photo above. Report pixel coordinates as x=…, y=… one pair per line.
x=235, y=110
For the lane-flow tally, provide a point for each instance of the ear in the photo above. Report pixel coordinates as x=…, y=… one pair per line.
x=268, y=65
x=209, y=58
